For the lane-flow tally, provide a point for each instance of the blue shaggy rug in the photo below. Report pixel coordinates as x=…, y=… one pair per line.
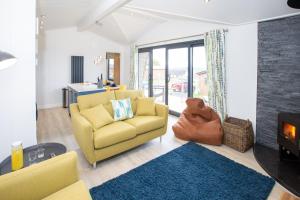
x=188, y=172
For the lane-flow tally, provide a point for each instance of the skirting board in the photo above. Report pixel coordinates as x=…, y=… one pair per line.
x=47, y=106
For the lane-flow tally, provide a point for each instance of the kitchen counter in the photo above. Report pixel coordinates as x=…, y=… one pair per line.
x=85, y=87
x=79, y=89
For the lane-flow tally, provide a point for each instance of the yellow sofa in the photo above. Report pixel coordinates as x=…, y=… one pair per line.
x=118, y=136
x=53, y=179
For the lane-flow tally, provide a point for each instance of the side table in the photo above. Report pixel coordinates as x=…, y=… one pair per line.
x=50, y=150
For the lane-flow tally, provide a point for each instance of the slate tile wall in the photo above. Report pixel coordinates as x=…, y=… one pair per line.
x=278, y=75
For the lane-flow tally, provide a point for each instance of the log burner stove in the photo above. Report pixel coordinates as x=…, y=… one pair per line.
x=288, y=136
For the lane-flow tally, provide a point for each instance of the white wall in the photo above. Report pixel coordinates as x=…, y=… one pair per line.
x=55, y=51
x=125, y=69
x=242, y=71
x=175, y=29
x=17, y=84
x=241, y=60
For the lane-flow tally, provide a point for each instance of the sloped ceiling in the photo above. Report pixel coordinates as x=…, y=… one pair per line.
x=127, y=23
x=133, y=23
x=109, y=28
x=64, y=13
x=233, y=12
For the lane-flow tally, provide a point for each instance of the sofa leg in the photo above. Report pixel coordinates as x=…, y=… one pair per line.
x=94, y=165
x=160, y=139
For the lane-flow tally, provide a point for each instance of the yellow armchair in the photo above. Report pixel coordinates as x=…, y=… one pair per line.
x=56, y=178
x=122, y=87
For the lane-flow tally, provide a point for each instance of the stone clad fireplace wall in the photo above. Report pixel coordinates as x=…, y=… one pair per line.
x=278, y=75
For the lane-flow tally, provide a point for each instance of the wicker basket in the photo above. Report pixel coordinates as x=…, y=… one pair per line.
x=238, y=134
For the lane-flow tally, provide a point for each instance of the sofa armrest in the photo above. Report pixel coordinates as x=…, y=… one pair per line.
x=74, y=108
x=162, y=111
x=84, y=134
x=40, y=180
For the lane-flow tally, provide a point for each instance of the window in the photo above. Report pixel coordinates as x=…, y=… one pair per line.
x=144, y=72
x=159, y=74
x=178, y=78
x=200, y=88
x=172, y=73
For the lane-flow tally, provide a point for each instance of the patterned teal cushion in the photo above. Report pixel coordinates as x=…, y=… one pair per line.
x=122, y=109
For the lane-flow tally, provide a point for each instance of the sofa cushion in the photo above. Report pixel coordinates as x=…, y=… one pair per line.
x=92, y=100
x=145, y=107
x=109, y=109
x=76, y=191
x=145, y=124
x=122, y=109
x=97, y=116
x=113, y=133
x=132, y=94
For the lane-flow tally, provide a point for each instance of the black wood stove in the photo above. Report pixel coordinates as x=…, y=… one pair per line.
x=283, y=164
x=288, y=136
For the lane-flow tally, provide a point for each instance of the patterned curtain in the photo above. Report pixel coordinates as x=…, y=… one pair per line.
x=215, y=56
x=133, y=68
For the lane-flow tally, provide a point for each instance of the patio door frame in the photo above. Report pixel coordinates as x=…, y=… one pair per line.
x=190, y=45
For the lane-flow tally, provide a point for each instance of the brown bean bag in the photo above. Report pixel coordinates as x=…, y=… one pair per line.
x=199, y=123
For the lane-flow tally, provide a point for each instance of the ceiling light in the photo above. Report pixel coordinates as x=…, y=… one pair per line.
x=99, y=23
x=294, y=3
x=6, y=60
x=206, y=1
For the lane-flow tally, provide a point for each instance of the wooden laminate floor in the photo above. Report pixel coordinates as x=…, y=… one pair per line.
x=54, y=125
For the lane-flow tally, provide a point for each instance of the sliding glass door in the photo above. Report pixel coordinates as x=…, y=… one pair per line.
x=177, y=79
x=172, y=73
x=159, y=75
x=200, y=88
x=144, y=72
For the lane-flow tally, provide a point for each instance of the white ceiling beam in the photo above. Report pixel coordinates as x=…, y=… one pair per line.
x=176, y=16
x=105, y=8
x=141, y=12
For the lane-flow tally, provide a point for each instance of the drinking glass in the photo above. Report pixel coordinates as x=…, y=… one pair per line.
x=17, y=156
x=40, y=152
x=32, y=156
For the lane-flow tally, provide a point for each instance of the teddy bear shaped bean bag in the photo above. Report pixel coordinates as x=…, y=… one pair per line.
x=199, y=123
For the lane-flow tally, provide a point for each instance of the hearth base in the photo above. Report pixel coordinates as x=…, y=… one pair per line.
x=287, y=173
